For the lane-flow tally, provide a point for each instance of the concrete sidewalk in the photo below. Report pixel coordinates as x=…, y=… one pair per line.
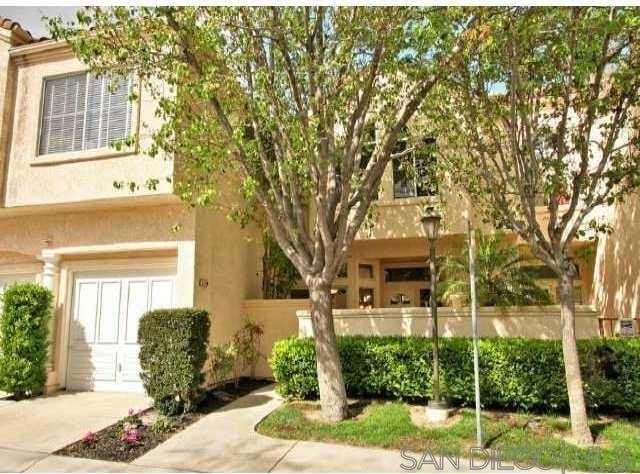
x=12, y=460
x=48, y=423
x=226, y=441
x=32, y=429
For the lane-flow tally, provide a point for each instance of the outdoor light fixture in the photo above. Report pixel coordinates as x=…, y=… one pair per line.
x=431, y=224
x=436, y=411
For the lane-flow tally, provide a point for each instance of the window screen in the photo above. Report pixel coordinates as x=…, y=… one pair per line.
x=82, y=112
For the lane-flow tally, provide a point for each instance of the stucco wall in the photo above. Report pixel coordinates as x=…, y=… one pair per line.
x=7, y=83
x=616, y=278
x=279, y=321
x=33, y=179
x=400, y=218
x=226, y=271
x=98, y=239
x=534, y=322
x=29, y=234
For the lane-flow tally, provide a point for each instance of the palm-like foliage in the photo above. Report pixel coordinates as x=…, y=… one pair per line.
x=500, y=278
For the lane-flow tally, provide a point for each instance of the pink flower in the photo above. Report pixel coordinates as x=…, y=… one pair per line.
x=89, y=437
x=131, y=436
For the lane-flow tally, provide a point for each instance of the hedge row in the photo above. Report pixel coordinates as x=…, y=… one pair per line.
x=515, y=373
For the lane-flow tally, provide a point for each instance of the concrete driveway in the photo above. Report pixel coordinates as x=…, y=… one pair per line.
x=30, y=429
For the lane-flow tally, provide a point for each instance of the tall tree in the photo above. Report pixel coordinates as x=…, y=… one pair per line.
x=543, y=112
x=281, y=97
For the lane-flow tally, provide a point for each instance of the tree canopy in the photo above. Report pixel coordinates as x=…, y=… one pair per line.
x=544, y=113
x=281, y=97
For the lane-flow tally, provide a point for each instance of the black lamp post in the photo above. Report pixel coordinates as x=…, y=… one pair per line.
x=431, y=224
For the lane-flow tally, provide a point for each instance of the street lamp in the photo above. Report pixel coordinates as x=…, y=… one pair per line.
x=431, y=225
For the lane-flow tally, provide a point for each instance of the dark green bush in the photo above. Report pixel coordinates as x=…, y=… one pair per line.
x=24, y=338
x=515, y=373
x=173, y=350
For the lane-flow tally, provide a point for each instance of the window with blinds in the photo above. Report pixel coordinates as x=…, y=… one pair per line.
x=82, y=112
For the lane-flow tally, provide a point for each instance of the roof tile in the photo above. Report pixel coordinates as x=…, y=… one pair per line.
x=24, y=35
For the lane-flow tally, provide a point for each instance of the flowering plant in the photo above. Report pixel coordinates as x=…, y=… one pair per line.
x=130, y=435
x=129, y=427
x=89, y=437
x=133, y=418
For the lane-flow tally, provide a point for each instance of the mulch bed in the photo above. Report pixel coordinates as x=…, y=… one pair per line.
x=108, y=446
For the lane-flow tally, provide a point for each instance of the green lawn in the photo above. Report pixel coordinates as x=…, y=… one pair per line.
x=517, y=436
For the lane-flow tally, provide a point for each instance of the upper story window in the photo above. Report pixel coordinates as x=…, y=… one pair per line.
x=414, y=173
x=83, y=112
x=401, y=274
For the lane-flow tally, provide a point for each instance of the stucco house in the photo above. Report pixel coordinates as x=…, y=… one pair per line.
x=110, y=254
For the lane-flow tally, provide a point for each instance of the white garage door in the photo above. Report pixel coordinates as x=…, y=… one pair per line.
x=103, y=337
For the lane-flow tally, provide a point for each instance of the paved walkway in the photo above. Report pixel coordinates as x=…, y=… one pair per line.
x=32, y=429
x=226, y=441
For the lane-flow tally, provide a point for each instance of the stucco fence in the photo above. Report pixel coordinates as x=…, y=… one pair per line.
x=284, y=318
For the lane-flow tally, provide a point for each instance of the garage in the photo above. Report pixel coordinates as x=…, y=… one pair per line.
x=103, y=333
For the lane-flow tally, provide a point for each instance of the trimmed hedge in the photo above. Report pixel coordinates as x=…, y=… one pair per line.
x=515, y=373
x=24, y=338
x=173, y=350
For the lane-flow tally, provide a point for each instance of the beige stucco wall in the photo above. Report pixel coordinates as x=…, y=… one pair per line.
x=7, y=82
x=226, y=271
x=66, y=204
x=29, y=234
x=279, y=321
x=75, y=176
x=616, y=278
x=400, y=218
x=534, y=321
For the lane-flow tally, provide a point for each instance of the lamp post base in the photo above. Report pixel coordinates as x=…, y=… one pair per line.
x=437, y=412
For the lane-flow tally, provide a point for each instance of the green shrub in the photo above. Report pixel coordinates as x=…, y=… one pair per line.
x=221, y=361
x=24, y=338
x=515, y=373
x=173, y=350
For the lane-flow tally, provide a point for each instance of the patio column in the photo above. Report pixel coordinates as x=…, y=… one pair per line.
x=50, y=279
x=50, y=270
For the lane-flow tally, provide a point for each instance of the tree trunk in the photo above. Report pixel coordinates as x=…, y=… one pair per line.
x=577, y=408
x=333, y=396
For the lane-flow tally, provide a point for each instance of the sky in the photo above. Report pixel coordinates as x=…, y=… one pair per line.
x=30, y=17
